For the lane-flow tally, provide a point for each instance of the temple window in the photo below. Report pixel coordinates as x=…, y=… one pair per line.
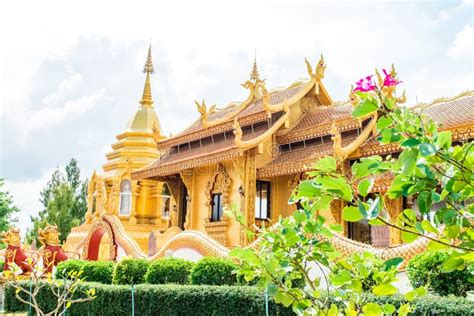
x=262, y=200
x=125, y=197
x=165, y=201
x=216, y=204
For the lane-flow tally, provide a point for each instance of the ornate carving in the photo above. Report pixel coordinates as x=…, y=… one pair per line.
x=219, y=182
x=205, y=113
x=96, y=197
x=318, y=74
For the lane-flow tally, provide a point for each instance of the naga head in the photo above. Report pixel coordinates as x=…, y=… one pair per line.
x=320, y=68
x=49, y=235
x=11, y=237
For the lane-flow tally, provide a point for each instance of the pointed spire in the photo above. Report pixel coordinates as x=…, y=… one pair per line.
x=254, y=75
x=148, y=69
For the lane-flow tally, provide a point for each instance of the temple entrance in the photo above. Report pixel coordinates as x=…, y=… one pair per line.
x=101, y=246
x=184, y=207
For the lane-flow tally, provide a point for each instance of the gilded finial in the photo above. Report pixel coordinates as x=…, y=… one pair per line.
x=149, y=63
x=148, y=69
x=254, y=75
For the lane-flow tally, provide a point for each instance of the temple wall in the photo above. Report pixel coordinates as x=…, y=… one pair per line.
x=199, y=198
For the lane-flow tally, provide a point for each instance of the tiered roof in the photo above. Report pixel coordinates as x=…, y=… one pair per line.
x=306, y=140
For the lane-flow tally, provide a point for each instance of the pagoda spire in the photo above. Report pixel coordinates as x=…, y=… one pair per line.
x=254, y=75
x=148, y=69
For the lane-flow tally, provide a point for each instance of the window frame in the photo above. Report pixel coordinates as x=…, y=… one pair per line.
x=122, y=195
x=219, y=207
x=258, y=195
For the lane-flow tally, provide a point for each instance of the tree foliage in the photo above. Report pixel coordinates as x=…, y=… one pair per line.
x=7, y=209
x=64, y=201
x=432, y=169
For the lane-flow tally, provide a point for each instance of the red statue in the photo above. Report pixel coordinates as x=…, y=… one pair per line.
x=52, y=252
x=14, y=253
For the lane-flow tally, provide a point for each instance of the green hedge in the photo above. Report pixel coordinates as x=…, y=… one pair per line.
x=67, y=266
x=214, y=271
x=425, y=269
x=98, y=271
x=169, y=299
x=130, y=271
x=169, y=270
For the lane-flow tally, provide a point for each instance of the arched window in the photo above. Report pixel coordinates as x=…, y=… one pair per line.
x=125, y=197
x=165, y=201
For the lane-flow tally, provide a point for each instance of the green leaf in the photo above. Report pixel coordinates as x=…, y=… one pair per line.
x=365, y=186
x=424, y=202
x=372, y=309
x=389, y=309
x=283, y=298
x=452, y=264
x=444, y=139
x=404, y=310
x=410, y=142
x=384, y=289
x=427, y=149
x=433, y=245
x=351, y=214
x=307, y=189
x=408, y=237
x=364, y=108
x=338, y=186
x=384, y=122
x=336, y=227
x=327, y=164
x=323, y=202
x=341, y=278
x=333, y=311
x=394, y=262
x=426, y=225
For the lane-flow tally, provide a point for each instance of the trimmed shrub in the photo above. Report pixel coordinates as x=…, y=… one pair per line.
x=425, y=269
x=67, y=266
x=169, y=270
x=165, y=299
x=98, y=271
x=130, y=271
x=214, y=271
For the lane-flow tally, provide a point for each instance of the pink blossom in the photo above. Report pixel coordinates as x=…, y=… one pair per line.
x=389, y=80
x=364, y=85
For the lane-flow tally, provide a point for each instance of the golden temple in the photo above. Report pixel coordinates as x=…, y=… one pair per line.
x=164, y=196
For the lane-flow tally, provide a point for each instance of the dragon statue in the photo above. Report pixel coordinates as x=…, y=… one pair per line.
x=14, y=253
x=205, y=113
x=52, y=252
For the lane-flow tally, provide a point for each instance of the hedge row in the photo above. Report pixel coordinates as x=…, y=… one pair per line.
x=166, y=299
x=210, y=300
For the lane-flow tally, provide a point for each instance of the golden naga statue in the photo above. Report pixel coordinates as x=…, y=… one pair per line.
x=341, y=153
x=14, y=252
x=202, y=109
x=52, y=251
x=318, y=74
x=255, y=86
x=389, y=90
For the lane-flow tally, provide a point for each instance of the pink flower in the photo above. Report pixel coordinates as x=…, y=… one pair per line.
x=364, y=85
x=389, y=80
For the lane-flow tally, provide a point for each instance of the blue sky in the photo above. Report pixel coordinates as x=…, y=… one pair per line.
x=70, y=72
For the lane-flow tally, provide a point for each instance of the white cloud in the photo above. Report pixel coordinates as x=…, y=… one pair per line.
x=463, y=43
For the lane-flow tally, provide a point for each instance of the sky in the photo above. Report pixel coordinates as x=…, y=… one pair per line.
x=71, y=71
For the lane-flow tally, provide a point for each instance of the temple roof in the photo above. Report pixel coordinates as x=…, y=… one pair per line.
x=252, y=113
